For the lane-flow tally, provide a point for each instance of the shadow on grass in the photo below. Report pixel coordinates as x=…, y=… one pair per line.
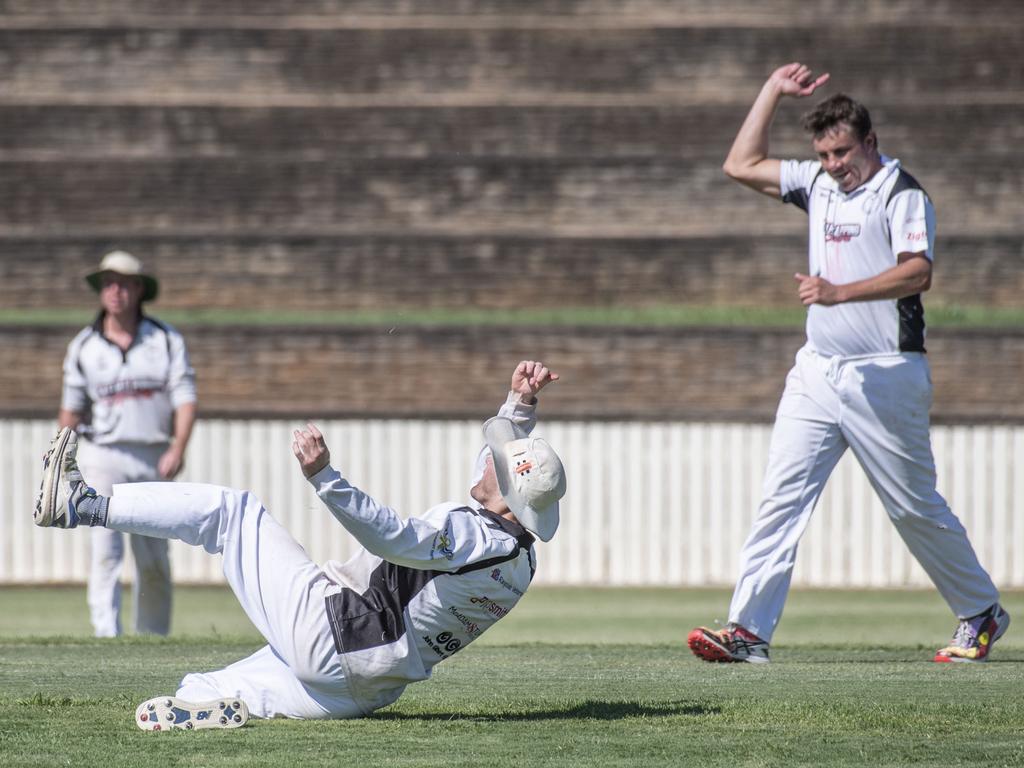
x=584, y=710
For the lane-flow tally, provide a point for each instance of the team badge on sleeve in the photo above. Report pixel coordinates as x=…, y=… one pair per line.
x=444, y=543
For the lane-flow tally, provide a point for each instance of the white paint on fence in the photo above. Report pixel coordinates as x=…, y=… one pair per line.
x=648, y=503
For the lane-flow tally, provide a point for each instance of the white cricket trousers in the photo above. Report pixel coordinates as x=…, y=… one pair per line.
x=878, y=407
x=151, y=590
x=299, y=673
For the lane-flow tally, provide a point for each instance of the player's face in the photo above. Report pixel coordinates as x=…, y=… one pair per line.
x=847, y=159
x=120, y=294
x=486, y=491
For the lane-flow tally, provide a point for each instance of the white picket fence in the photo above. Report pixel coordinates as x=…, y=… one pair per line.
x=664, y=504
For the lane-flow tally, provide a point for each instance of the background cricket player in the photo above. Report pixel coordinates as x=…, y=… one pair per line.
x=130, y=391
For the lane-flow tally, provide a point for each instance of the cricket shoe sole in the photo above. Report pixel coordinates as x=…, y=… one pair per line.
x=166, y=712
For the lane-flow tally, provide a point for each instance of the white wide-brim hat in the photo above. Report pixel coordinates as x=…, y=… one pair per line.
x=123, y=263
x=529, y=473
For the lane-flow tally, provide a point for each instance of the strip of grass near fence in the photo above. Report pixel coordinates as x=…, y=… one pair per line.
x=658, y=316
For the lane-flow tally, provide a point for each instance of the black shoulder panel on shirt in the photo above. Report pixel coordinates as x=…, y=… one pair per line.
x=377, y=616
x=798, y=197
x=158, y=323
x=904, y=181
x=96, y=327
x=911, y=314
x=165, y=329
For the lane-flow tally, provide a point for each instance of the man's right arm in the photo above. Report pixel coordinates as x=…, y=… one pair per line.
x=748, y=161
x=520, y=406
x=74, y=396
x=440, y=541
x=66, y=418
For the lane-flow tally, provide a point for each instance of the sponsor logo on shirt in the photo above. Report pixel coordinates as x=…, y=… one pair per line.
x=444, y=645
x=916, y=237
x=496, y=575
x=120, y=391
x=840, y=233
x=472, y=628
x=493, y=608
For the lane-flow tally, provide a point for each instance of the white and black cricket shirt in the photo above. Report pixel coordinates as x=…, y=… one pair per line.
x=855, y=236
x=128, y=396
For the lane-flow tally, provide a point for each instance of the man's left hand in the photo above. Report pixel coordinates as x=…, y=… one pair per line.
x=310, y=449
x=817, y=290
x=171, y=463
x=529, y=378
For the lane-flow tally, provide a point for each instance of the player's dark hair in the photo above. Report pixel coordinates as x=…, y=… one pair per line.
x=835, y=110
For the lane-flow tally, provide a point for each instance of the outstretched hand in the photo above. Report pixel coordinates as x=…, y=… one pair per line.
x=530, y=377
x=796, y=79
x=310, y=449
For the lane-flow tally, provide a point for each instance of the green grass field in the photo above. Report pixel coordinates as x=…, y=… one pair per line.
x=657, y=316
x=573, y=677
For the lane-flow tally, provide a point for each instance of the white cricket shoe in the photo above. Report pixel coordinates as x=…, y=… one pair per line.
x=63, y=486
x=166, y=712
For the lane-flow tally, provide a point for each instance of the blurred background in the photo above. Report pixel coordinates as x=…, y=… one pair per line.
x=367, y=212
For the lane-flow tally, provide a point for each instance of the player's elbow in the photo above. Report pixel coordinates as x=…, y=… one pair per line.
x=924, y=276
x=745, y=173
x=732, y=169
x=917, y=272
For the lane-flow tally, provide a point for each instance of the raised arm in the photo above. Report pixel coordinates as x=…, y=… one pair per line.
x=528, y=379
x=444, y=539
x=748, y=161
x=416, y=542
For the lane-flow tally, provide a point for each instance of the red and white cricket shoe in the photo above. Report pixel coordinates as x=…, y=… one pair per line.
x=734, y=643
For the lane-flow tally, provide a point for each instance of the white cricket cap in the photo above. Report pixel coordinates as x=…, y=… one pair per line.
x=529, y=473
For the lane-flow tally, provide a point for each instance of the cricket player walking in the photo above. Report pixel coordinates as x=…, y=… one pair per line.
x=345, y=639
x=861, y=381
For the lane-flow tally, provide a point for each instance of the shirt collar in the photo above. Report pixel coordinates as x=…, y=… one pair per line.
x=141, y=331
x=509, y=527
x=874, y=184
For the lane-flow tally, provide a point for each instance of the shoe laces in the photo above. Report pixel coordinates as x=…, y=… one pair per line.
x=966, y=634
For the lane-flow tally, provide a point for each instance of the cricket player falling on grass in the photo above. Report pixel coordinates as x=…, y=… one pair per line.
x=861, y=381
x=345, y=639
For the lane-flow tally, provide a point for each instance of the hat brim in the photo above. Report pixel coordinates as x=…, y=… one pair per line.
x=498, y=432
x=150, y=287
